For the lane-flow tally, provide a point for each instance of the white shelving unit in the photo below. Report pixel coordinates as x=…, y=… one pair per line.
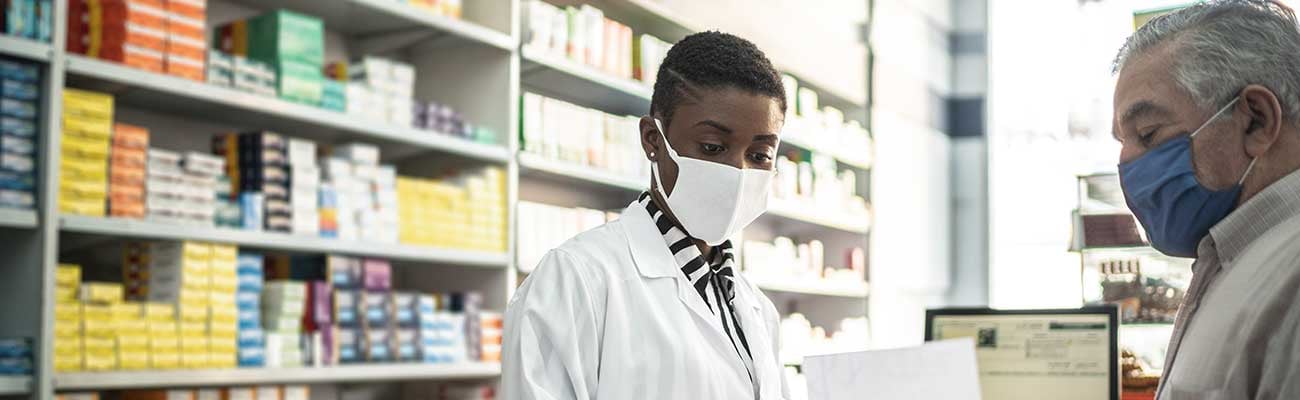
x=15, y=385
x=129, y=228
x=475, y=65
x=24, y=48
x=183, y=97
x=264, y=376
x=815, y=288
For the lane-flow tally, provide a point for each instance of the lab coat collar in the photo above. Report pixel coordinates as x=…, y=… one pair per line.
x=654, y=260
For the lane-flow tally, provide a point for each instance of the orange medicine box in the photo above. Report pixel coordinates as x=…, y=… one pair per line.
x=185, y=67
x=189, y=27
x=125, y=157
x=127, y=136
x=127, y=176
x=187, y=47
x=197, y=9
x=126, y=193
x=134, y=56
x=114, y=34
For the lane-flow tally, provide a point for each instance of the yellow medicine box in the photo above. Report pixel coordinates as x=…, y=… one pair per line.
x=87, y=127
x=87, y=208
x=85, y=148
x=133, y=360
x=165, y=343
x=225, y=252
x=88, y=102
x=155, y=311
x=127, y=310
x=193, y=313
x=67, y=345
x=192, y=328
x=165, y=359
x=195, y=359
x=101, y=293
x=100, y=362
x=67, y=275
x=158, y=329
x=67, y=362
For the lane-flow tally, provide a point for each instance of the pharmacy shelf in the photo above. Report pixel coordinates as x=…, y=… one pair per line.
x=184, y=97
x=568, y=80
x=534, y=166
x=856, y=290
x=848, y=157
x=816, y=216
x=127, y=228
x=370, y=18
x=262, y=376
x=15, y=218
x=15, y=385
x=24, y=48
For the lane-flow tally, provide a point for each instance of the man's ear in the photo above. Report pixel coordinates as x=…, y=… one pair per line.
x=651, y=142
x=1265, y=112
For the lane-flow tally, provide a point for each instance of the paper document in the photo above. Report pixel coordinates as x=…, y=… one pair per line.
x=936, y=370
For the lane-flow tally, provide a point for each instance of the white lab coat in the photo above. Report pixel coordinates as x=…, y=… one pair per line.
x=609, y=315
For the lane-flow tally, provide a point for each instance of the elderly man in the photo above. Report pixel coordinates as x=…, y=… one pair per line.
x=1207, y=108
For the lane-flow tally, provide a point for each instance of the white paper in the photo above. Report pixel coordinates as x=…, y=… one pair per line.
x=936, y=370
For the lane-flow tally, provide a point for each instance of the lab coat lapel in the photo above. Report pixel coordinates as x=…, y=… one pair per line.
x=750, y=313
x=654, y=260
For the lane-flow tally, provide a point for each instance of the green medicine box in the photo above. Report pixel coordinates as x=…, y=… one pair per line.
x=299, y=82
x=283, y=35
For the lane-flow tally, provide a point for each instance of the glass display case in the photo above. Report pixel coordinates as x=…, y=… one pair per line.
x=1119, y=267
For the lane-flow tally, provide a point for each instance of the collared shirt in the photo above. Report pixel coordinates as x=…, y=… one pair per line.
x=714, y=280
x=1239, y=325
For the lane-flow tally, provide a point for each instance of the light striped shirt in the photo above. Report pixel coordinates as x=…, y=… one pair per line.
x=1237, y=335
x=714, y=281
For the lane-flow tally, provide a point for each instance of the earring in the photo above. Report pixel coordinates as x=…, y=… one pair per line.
x=652, y=154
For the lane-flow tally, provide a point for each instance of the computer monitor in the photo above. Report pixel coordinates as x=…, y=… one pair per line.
x=1038, y=354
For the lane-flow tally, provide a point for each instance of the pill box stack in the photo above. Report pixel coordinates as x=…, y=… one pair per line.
x=292, y=44
x=182, y=188
x=283, y=303
x=583, y=34
x=181, y=273
x=32, y=19
x=377, y=304
x=287, y=392
x=223, y=312
x=365, y=194
x=129, y=156
x=344, y=275
x=15, y=356
x=256, y=165
x=493, y=331
x=102, y=307
x=486, y=193
x=444, y=8
x=186, y=47
x=380, y=89
x=561, y=131
x=67, y=318
x=318, y=323
x=19, y=99
x=248, y=301
x=441, y=332
x=304, y=187
x=131, y=32
x=87, y=127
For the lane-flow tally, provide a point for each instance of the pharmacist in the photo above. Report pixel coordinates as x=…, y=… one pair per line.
x=1207, y=108
x=650, y=306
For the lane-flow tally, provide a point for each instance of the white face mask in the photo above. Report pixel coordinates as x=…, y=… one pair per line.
x=713, y=201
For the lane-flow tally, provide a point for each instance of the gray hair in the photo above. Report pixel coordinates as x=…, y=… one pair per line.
x=1224, y=45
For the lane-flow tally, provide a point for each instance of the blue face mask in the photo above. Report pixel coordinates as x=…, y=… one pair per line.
x=1174, y=208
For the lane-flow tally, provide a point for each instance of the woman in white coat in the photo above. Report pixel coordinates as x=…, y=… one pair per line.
x=650, y=306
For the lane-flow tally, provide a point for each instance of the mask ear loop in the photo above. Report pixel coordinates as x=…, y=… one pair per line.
x=1215, y=117
x=1249, y=168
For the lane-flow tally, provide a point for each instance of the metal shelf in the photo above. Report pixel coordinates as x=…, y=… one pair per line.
x=812, y=215
x=17, y=218
x=567, y=80
x=858, y=290
x=24, y=48
x=374, y=18
x=118, y=227
x=200, y=100
x=535, y=166
x=844, y=156
x=15, y=385
x=259, y=376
